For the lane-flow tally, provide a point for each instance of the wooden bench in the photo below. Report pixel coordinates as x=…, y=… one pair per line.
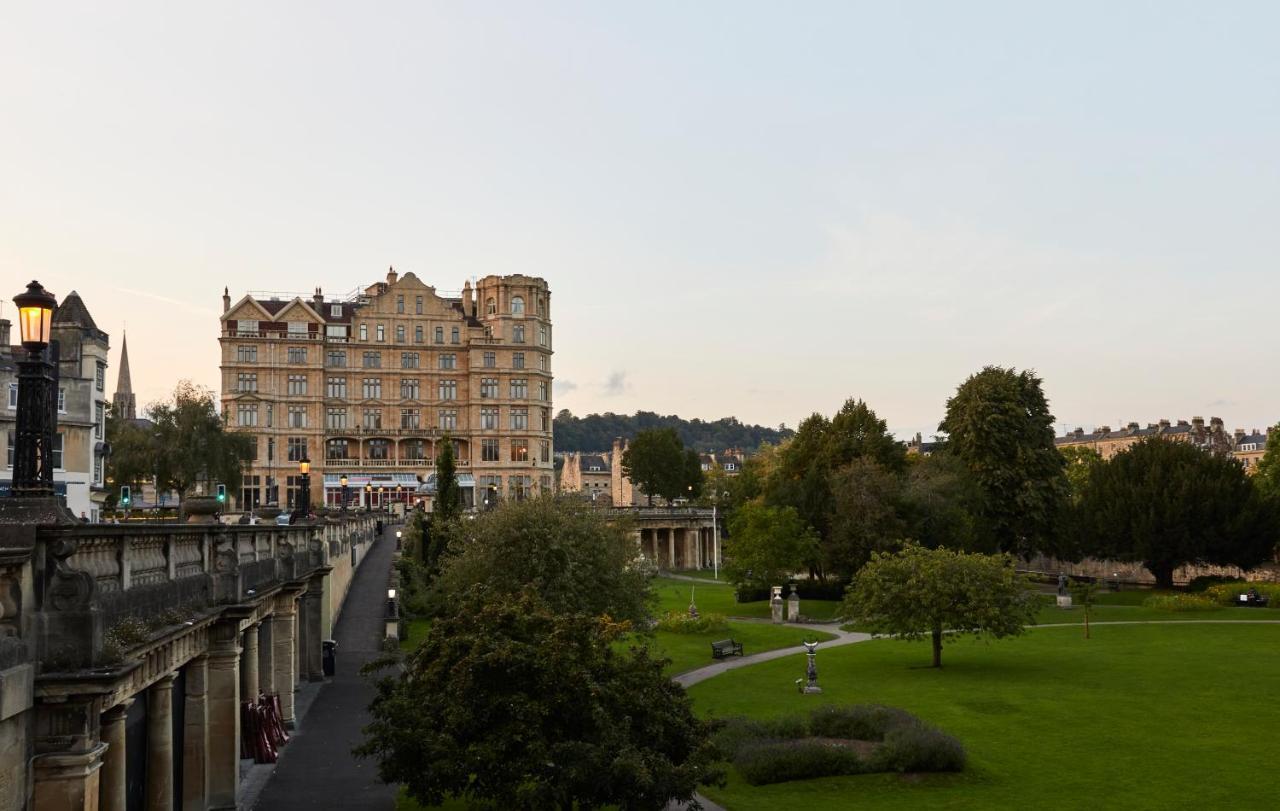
x=725, y=647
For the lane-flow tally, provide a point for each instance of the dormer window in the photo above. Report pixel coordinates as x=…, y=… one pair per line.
x=517, y=305
x=297, y=327
x=335, y=310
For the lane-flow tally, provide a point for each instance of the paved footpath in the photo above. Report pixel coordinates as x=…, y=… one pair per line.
x=316, y=768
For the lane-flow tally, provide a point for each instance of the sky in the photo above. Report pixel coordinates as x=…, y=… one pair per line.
x=748, y=209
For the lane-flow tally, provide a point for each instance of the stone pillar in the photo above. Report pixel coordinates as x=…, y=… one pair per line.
x=267, y=658
x=160, y=745
x=224, y=713
x=195, y=736
x=313, y=666
x=112, y=796
x=69, y=782
x=249, y=664
x=671, y=548
x=282, y=641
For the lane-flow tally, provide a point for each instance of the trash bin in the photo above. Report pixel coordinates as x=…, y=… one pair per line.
x=329, y=656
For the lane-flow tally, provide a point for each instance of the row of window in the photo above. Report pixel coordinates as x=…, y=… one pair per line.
x=491, y=305
x=56, y=454
x=372, y=359
x=414, y=450
x=410, y=388
x=336, y=418
x=258, y=490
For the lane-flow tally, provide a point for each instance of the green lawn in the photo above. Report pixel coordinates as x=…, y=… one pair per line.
x=414, y=631
x=673, y=595
x=1140, y=716
x=689, y=651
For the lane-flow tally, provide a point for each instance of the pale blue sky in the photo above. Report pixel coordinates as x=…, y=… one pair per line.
x=750, y=209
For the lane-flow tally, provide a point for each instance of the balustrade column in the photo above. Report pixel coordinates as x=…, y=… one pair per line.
x=671, y=548
x=195, y=735
x=112, y=795
x=267, y=658
x=283, y=643
x=160, y=745
x=249, y=664
x=224, y=714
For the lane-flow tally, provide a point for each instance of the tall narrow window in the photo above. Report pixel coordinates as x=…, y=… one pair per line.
x=439, y=335
x=517, y=334
x=382, y=333
x=454, y=336
x=400, y=304
x=418, y=305
x=517, y=305
x=399, y=333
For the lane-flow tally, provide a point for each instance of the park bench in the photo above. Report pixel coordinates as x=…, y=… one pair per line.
x=725, y=647
x=1252, y=599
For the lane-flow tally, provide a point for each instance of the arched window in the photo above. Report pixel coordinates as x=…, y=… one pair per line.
x=517, y=305
x=491, y=306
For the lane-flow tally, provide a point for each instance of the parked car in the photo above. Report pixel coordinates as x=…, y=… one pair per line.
x=282, y=520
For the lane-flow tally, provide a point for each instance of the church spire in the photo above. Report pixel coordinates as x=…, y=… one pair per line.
x=123, y=402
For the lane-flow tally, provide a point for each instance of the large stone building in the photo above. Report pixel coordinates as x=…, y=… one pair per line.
x=80, y=444
x=370, y=385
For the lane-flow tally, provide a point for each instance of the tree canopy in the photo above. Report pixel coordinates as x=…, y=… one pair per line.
x=191, y=446
x=940, y=594
x=514, y=703
x=767, y=545
x=998, y=424
x=1166, y=504
x=658, y=463
x=596, y=432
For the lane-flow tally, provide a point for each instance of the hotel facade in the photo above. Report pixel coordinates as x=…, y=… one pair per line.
x=368, y=387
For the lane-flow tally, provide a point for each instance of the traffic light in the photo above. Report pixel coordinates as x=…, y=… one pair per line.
x=126, y=498
x=222, y=494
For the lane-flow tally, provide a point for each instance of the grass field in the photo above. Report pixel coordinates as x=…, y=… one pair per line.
x=689, y=651
x=673, y=595
x=1140, y=716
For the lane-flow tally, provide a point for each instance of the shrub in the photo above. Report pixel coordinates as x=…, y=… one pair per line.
x=764, y=762
x=731, y=734
x=1204, y=581
x=863, y=722
x=807, y=589
x=1229, y=593
x=679, y=622
x=1181, y=602
x=916, y=747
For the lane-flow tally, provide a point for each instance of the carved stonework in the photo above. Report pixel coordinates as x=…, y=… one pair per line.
x=10, y=601
x=67, y=589
x=225, y=556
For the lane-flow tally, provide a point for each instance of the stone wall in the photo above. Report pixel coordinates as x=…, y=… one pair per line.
x=1128, y=572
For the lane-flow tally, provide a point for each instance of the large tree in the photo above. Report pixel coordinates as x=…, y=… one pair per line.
x=447, y=505
x=865, y=516
x=132, y=460
x=1165, y=504
x=940, y=503
x=940, y=594
x=510, y=702
x=998, y=423
x=767, y=545
x=1267, y=474
x=192, y=445
x=658, y=463
x=572, y=555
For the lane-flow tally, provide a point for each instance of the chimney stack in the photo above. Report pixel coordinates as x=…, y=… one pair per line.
x=226, y=299
x=468, y=301
x=317, y=302
x=1239, y=434
x=391, y=274
x=4, y=334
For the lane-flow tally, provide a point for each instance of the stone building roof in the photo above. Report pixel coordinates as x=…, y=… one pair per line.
x=72, y=312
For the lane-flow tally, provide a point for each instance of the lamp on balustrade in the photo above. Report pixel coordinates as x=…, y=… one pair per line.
x=368, y=497
x=343, y=481
x=37, y=420
x=304, y=495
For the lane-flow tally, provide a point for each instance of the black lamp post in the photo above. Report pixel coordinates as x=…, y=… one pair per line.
x=343, y=481
x=382, y=498
x=304, y=494
x=368, y=497
x=37, y=419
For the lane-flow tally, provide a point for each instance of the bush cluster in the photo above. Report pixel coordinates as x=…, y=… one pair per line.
x=1229, y=593
x=679, y=622
x=790, y=747
x=1181, y=602
x=808, y=590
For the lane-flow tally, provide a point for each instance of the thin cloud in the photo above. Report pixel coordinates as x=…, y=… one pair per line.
x=186, y=305
x=565, y=386
x=615, y=384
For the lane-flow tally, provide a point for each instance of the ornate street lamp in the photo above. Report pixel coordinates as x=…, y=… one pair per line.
x=304, y=495
x=37, y=419
x=343, y=481
x=368, y=497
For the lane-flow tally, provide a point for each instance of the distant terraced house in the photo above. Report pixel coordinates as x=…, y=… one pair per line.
x=1247, y=446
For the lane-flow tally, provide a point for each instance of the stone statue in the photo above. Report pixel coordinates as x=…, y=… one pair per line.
x=693, y=606
x=1062, y=584
x=811, y=650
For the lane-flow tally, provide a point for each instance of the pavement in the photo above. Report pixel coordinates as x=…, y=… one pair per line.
x=316, y=769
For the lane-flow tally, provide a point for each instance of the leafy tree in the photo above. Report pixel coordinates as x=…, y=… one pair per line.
x=857, y=433
x=766, y=545
x=998, y=423
x=596, y=432
x=1267, y=474
x=192, y=445
x=1166, y=504
x=940, y=594
x=940, y=502
x=657, y=462
x=1080, y=463
x=133, y=452
x=865, y=516
x=512, y=703
x=1085, y=594
x=570, y=554
x=447, y=505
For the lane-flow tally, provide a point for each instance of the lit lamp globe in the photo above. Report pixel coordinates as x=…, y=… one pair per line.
x=35, y=316
x=304, y=466
x=342, y=480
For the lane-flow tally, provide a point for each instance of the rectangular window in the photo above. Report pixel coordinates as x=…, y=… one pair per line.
x=99, y=419
x=271, y=449
x=400, y=304
x=490, y=360
x=336, y=387
x=517, y=360
x=336, y=331
x=364, y=332
x=409, y=388
x=247, y=328
x=373, y=360
x=542, y=390
x=247, y=415
x=542, y=362
x=245, y=381
x=336, y=418
x=519, y=389
x=519, y=450
x=488, y=450
x=546, y=450
x=297, y=328
x=62, y=401
x=246, y=354
x=417, y=334
x=337, y=358
x=56, y=452
x=293, y=486
x=297, y=384
x=100, y=377
x=542, y=335
x=448, y=360
x=373, y=418
x=448, y=389
x=409, y=360
x=455, y=336
x=382, y=333
x=546, y=418
x=335, y=310
x=517, y=334
x=270, y=415
x=520, y=419
x=448, y=419
x=13, y=396
x=371, y=388
x=417, y=305
x=297, y=448
x=297, y=416
x=488, y=387
x=409, y=418
x=488, y=418
x=250, y=494
x=297, y=354
x=399, y=333
x=439, y=335
x=337, y=449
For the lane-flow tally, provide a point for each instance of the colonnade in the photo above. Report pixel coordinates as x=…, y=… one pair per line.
x=678, y=547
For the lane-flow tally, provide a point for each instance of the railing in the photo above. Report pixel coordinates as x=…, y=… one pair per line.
x=661, y=512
